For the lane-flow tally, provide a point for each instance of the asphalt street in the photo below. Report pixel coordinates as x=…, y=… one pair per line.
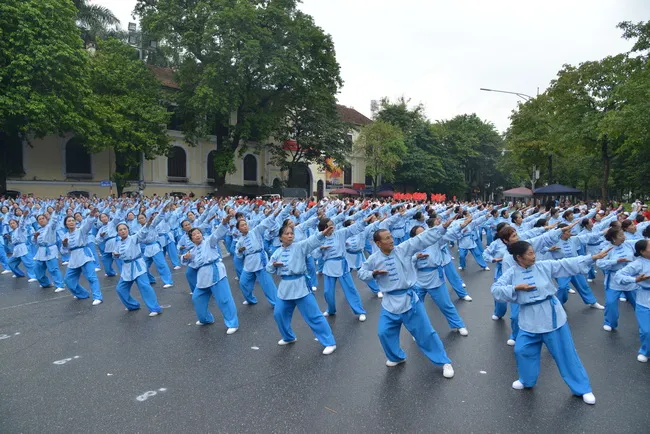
x=69, y=367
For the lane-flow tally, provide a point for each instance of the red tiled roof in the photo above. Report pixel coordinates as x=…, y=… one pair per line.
x=165, y=76
x=352, y=116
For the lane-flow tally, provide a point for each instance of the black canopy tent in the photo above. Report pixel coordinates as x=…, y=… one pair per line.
x=556, y=191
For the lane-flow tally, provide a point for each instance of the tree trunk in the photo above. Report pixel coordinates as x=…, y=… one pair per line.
x=606, y=167
x=4, y=146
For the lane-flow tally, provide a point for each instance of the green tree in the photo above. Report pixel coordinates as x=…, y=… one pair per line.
x=43, y=83
x=93, y=19
x=242, y=65
x=383, y=147
x=128, y=115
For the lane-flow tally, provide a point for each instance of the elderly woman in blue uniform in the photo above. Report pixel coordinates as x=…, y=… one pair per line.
x=621, y=253
x=47, y=255
x=133, y=268
x=250, y=249
x=431, y=280
x=393, y=268
x=82, y=261
x=211, y=280
x=288, y=262
x=542, y=319
x=636, y=276
x=17, y=238
x=106, y=237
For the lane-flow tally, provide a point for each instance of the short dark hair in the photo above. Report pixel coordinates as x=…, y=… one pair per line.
x=518, y=249
x=377, y=235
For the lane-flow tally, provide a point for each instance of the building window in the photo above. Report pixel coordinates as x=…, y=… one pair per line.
x=77, y=159
x=177, y=165
x=250, y=168
x=212, y=173
x=347, y=175
x=175, y=120
x=368, y=180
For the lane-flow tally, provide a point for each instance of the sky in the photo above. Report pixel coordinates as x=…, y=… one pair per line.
x=441, y=52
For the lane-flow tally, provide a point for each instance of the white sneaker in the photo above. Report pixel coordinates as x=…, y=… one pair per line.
x=380, y=294
x=447, y=371
x=167, y=285
x=14, y=276
x=154, y=313
x=326, y=314
x=607, y=328
x=463, y=331
x=5, y=271
x=314, y=288
x=329, y=350
x=362, y=318
x=590, y=280
x=97, y=302
x=231, y=330
x=495, y=318
x=59, y=290
x=641, y=358
x=98, y=269
x=178, y=267
x=486, y=269
x=393, y=364
x=572, y=291
x=199, y=323
x=65, y=263
x=236, y=278
x=32, y=280
x=518, y=385
x=510, y=342
x=460, y=268
x=283, y=342
x=622, y=299
x=464, y=286
x=75, y=297
x=467, y=298
x=597, y=306
x=589, y=398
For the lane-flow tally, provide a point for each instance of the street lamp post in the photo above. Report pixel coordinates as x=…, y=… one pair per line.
x=526, y=98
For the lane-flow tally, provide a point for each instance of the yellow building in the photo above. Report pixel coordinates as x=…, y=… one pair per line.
x=54, y=165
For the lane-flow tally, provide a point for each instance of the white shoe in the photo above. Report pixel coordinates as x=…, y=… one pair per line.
x=641, y=358
x=463, y=331
x=486, y=269
x=65, y=263
x=590, y=280
x=59, y=290
x=607, y=328
x=178, y=267
x=98, y=269
x=393, y=364
x=510, y=342
x=283, y=342
x=167, y=285
x=464, y=286
x=572, y=291
x=314, y=288
x=622, y=299
x=495, y=318
x=75, y=297
x=199, y=323
x=362, y=318
x=97, y=302
x=597, y=306
x=467, y=298
x=245, y=303
x=154, y=313
x=460, y=268
x=329, y=350
x=447, y=371
x=236, y=278
x=589, y=398
x=14, y=276
x=5, y=271
x=231, y=330
x=326, y=314
x=518, y=385
x=32, y=280
x=380, y=294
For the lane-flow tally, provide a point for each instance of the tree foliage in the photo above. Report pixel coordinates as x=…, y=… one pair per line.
x=383, y=146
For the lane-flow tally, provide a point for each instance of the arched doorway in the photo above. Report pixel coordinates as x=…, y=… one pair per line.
x=300, y=177
x=320, y=188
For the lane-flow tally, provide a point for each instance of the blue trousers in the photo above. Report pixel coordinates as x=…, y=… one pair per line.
x=3, y=258
x=592, y=273
x=611, y=302
x=72, y=281
x=28, y=263
x=146, y=291
x=247, y=283
x=52, y=266
x=418, y=324
x=311, y=271
x=643, y=317
x=580, y=284
x=225, y=303
x=93, y=248
x=462, y=254
x=238, y=263
x=560, y=344
x=489, y=236
x=310, y=312
x=349, y=290
x=161, y=265
x=372, y=284
x=190, y=274
x=440, y=296
x=107, y=260
x=454, y=279
x=172, y=252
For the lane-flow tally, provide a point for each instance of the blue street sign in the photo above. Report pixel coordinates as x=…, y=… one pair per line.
x=105, y=183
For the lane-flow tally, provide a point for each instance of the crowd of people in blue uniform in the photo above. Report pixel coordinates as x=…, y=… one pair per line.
x=400, y=250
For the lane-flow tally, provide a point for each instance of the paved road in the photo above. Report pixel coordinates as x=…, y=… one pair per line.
x=69, y=367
